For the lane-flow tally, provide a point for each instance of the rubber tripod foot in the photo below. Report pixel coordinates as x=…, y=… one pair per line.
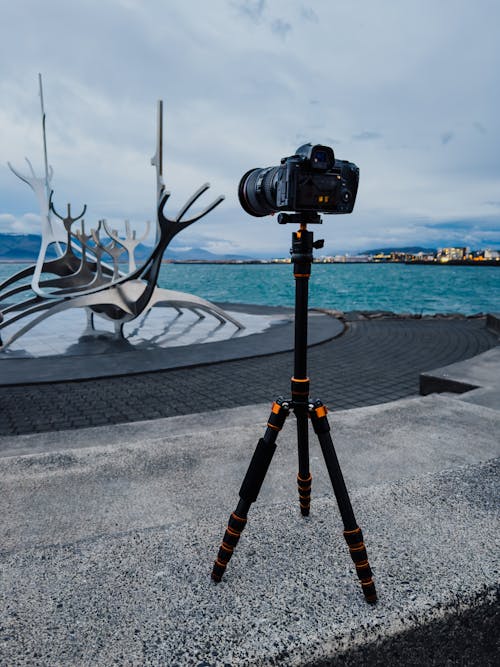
x=217, y=572
x=369, y=591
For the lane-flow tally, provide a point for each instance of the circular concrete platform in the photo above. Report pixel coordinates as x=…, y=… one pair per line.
x=63, y=349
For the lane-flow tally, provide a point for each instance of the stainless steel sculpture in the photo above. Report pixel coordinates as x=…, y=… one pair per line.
x=79, y=278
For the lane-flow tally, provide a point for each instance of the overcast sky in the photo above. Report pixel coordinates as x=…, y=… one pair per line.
x=409, y=90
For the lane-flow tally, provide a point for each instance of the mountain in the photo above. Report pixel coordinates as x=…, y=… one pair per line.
x=200, y=254
x=22, y=247
x=25, y=247
x=411, y=250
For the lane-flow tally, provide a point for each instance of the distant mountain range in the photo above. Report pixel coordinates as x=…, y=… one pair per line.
x=25, y=248
x=21, y=247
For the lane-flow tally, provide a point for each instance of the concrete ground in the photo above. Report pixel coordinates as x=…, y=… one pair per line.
x=109, y=532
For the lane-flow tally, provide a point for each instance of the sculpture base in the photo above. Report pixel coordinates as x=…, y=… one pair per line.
x=160, y=341
x=69, y=333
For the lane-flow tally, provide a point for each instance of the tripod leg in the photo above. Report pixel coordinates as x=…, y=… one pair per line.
x=352, y=532
x=304, y=478
x=300, y=402
x=251, y=486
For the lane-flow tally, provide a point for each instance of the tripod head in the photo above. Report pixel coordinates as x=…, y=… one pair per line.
x=302, y=241
x=307, y=218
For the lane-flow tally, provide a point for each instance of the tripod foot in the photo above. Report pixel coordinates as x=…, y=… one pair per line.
x=229, y=541
x=357, y=549
x=304, y=493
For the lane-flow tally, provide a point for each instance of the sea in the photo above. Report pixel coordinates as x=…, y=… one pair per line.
x=400, y=288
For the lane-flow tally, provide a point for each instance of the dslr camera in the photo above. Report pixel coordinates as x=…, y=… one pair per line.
x=310, y=180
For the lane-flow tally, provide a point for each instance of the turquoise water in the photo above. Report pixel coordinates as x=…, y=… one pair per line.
x=397, y=287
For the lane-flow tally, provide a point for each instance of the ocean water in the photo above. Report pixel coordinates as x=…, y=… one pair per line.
x=397, y=287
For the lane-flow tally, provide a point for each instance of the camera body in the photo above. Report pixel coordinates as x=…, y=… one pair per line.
x=310, y=180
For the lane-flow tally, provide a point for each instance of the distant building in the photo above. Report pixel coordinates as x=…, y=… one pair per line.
x=425, y=257
x=359, y=259
x=452, y=254
x=382, y=257
x=348, y=259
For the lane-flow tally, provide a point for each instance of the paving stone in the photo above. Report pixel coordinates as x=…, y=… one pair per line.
x=374, y=361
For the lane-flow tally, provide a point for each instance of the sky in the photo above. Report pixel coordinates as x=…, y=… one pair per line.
x=408, y=90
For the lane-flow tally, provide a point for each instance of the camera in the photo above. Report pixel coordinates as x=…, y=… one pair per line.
x=310, y=180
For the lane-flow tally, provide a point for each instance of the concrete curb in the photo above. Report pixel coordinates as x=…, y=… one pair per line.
x=493, y=322
x=478, y=379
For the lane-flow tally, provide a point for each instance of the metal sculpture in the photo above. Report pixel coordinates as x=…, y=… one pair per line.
x=80, y=277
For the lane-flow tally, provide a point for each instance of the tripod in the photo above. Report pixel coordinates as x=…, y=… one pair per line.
x=304, y=408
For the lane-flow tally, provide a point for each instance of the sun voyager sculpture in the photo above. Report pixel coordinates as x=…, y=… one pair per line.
x=86, y=271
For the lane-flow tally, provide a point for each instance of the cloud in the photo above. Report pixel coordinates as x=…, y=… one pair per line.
x=481, y=228
x=476, y=233
x=451, y=224
x=446, y=137
x=308, y=14
x=366, y=136
x=220, y=247
x=29, y=223
x=251, y=9
x=281, y=27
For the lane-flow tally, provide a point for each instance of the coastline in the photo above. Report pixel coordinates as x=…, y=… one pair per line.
x=286, y=260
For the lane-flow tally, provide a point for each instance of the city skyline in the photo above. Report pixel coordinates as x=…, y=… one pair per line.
x=244, y=84
x=25, y=248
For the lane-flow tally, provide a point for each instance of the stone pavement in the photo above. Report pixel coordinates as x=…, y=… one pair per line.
x=373, y=361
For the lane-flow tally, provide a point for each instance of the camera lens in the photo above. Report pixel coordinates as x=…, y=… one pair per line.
x=257, y=191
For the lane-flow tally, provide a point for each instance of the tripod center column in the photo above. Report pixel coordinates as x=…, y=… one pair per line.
x=302, y=245
x=301, y=251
